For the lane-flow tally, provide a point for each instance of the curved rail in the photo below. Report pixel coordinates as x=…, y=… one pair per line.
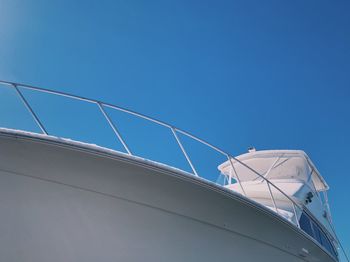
x=101, y=105
x=175, y=131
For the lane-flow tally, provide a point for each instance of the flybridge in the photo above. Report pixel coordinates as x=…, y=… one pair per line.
x=293, y=172
x=286, y=183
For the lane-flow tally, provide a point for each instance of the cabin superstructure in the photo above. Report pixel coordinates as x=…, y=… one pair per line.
x=293, y=176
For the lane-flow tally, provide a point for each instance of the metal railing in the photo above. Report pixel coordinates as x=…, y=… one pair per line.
x=296, y=207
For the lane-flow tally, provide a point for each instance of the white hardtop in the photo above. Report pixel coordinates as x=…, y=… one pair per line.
x=287, y=165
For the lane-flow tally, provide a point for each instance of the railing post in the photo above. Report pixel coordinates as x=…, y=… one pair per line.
x=273, y=199
x=115, y=130
x=295, y=215
x=271, y=167
x=183, y=150
x=238, y=179
x=25, y=102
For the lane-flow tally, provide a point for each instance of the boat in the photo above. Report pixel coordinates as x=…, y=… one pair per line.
x=69, y=200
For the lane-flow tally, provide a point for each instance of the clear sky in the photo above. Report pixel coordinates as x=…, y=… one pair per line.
x=271, y=74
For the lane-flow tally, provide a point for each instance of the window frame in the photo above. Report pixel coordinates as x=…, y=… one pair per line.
x=318, y=234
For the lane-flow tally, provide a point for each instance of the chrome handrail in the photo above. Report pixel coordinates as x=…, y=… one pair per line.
x=101, y=104
x=174, y=130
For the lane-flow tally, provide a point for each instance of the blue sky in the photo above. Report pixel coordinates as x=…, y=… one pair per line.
x=272, y=74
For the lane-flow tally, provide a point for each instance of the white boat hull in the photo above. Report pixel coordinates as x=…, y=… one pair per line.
x=64, y=202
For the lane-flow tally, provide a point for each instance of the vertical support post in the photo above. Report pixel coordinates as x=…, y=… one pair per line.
x=272, y=198
x=183, y=150
x=295, y=215
x=238, y=179
x=229, y=179
x=329, y=215
x=25, y=102
x=271, y=167
x=115, y=130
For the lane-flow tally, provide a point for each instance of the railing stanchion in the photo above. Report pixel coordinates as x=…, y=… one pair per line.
x=272, y=198
x=295, y=215
x=238, y=179
x=115, y=130
x=183, y=151
x=25, y=102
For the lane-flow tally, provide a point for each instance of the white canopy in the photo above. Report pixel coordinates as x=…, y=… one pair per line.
x=275, y=165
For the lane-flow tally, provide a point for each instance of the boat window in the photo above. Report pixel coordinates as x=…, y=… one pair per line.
x=317, y=232
x=327, y=244
x=305, y=224
x=312, y=229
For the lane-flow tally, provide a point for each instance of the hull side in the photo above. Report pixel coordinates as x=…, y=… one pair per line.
x=61, y=203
